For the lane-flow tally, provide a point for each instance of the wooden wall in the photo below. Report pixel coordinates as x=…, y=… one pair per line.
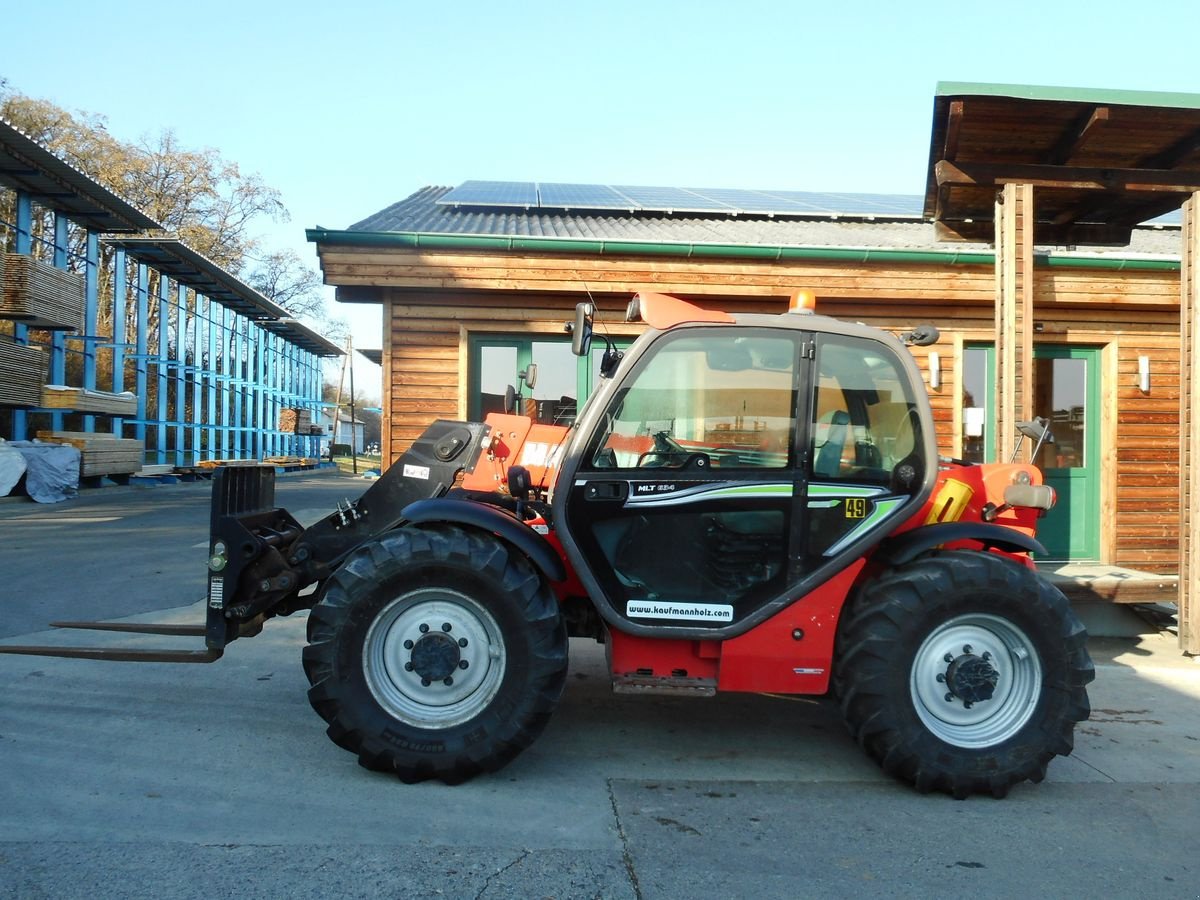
x=433, y=301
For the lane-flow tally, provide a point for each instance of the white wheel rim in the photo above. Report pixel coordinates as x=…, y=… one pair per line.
x=1017, y=673
x=448, y=628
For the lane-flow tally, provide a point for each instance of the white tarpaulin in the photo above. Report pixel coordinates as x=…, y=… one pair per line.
x=12, y=467
x=52, y=470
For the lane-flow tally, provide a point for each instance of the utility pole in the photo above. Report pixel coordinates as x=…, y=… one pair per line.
x=353, y=432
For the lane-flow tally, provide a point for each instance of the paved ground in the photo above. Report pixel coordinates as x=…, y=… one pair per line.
x=126, y=780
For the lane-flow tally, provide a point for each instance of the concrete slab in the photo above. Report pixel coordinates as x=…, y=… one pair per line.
x=719, y=838
x=187, y=781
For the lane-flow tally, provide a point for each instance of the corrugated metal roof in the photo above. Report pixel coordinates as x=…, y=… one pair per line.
x=25, y=165
x=420, y=213
x=180, y=262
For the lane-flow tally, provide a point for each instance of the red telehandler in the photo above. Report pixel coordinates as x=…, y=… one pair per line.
x=746, y=503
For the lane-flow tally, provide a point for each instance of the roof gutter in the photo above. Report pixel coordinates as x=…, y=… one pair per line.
x=584, y=246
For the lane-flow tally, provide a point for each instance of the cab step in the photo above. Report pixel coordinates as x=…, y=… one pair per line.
x=665, y=685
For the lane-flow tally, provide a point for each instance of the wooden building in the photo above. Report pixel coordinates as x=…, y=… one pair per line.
x=1047, y=249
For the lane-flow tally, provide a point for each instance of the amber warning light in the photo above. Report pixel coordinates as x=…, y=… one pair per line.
x=802, y=302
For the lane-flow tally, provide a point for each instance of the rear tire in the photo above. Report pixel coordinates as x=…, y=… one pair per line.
x=963, y=672
x=435, y=653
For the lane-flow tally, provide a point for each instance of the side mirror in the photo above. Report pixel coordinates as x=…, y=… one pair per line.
x=581, y=329
x=529, y=376
x=922, y=336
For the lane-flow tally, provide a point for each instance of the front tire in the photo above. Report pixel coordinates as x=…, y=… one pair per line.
x=963, y=672
x=435, y=653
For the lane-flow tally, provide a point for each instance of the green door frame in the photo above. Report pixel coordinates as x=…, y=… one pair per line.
x=1071, y=531
x=585, y=373
x=989, y=442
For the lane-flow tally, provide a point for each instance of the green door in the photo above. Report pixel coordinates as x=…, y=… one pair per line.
x=1067, y=389
x=563, y=380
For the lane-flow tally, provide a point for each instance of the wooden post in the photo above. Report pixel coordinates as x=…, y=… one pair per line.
x=1014, y=315
x=1189, y=428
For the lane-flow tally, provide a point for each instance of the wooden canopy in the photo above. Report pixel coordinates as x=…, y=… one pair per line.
x=1111, y=159
x=1021, y=166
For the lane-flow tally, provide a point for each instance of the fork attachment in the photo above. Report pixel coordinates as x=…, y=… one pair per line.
x=241, y=496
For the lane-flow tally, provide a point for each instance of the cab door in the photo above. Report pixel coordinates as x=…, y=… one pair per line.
x=685, y=501
x=733, y=470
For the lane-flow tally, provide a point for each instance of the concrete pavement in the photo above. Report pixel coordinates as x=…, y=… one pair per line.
x=145, y=780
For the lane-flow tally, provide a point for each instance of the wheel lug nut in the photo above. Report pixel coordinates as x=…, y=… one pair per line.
x=947, y=658
x=966, y=648
x=408, y=667
x=408, y=645
x=941, y=678
x=445, y=626
x=949, y=698
x=424, y=629
x=462, y=642
x=967, y=704
x=986, y=656
x=425, y=682
x=447, y=681
x=462, y=663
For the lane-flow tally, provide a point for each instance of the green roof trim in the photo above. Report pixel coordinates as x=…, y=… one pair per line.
x=591, y=247
x=1100, y=96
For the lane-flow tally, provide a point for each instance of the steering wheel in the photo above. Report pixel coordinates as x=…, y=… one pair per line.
x=665, y=452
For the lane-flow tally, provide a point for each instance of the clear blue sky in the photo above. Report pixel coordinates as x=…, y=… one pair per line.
x=346, y=107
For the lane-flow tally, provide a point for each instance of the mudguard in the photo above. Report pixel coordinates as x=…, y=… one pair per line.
x=494, y=520
x=908, y=546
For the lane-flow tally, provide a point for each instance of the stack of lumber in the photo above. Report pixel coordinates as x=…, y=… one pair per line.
x=289, y=461
x=100, y=454
x=57, y=396
x=163, y=469
x=22, y=373
x=219, y=463
x=39, y=295
x=295, y=421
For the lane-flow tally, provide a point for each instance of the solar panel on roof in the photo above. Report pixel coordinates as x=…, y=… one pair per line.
x=746, y=201
x=649, y=198
x=905, y=205
x=492, y=193
x=670, y=199
x=582, y=196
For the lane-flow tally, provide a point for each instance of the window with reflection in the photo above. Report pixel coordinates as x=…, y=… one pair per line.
x=865, y=417
x=718, y=398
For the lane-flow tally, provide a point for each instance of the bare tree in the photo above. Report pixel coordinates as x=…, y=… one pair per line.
x=282, y=276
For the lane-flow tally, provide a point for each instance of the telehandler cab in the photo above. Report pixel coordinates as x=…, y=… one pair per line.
x=746, y=503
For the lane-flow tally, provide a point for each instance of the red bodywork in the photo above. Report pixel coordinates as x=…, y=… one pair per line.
x=791, y=652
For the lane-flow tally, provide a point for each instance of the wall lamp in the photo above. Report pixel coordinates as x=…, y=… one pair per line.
x=1144, y=374
x=935, y=371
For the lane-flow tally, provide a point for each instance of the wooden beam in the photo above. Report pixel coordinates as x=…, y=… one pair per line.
x=1059, y=234
x=1171, y=156
x=1014, y=325
x=1189, y=430
x=953, y=129
x=1081, y=131
x=1123, y=211
x=358, y=294
x=1100, y=208
x=1079, y=178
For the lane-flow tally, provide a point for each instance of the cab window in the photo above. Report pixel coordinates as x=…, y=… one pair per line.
x=719, y=398
x=865, y=418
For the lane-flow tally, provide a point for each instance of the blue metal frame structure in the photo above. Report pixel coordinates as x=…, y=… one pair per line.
x=212, y=361
x=247, y=362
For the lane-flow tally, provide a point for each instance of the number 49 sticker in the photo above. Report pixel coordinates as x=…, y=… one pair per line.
x=856, y=508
